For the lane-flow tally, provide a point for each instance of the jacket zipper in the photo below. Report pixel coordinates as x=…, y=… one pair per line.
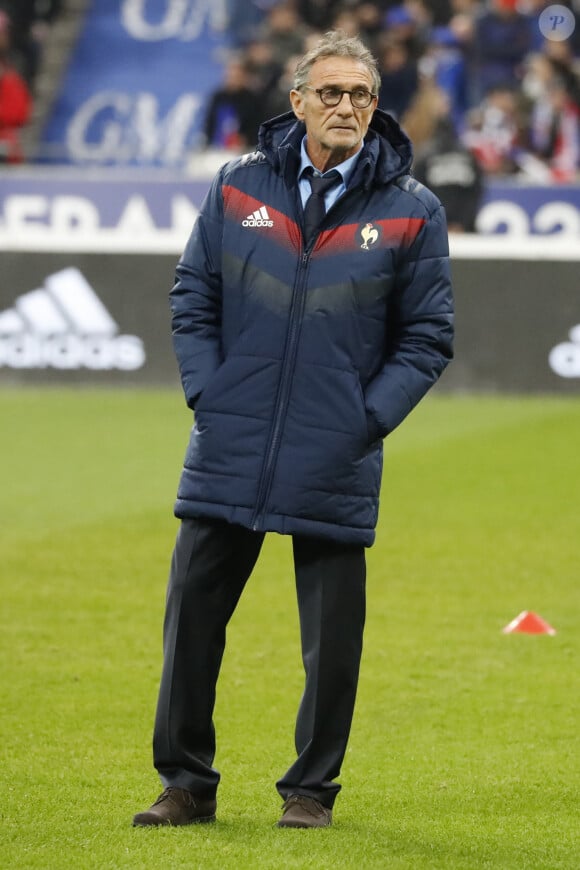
x=288, y=360
x=281, y=407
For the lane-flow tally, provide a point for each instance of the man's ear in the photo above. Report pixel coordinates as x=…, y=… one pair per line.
x=297, y=103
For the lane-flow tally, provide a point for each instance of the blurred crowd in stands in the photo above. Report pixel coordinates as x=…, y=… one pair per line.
x=24, y=27
x=474, y=83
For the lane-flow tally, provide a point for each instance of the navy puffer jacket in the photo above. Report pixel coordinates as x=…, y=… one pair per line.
x=298, y=361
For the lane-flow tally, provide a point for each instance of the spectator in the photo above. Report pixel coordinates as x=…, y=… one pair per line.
x=399, y=77
x=441, y=11
x=245, y=18
x=317, y=14
x=31, y=20
x=501, y=41
x=15, y=100
x=445, y=165
x=347, y=21
x=369, y=26
x=444, y=62
x=422, y=14
x=494, y=132
x=419, y=120
x=462, y=25
x=277, y=101
x=565, y=65
x=554, y=128
x=470, y=8
x=284, y=30
x=559, y=143
x=261, y=66
x=401, y=26
x=232, y=117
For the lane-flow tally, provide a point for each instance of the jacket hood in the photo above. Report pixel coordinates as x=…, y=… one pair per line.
x=387, y=151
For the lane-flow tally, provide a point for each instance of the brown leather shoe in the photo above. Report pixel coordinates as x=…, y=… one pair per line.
x=177, y=806
x=300, y=811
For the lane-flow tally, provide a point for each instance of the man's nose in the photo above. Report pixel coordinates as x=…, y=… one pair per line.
x=343, y=106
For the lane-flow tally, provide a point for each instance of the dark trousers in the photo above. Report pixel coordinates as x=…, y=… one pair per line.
x=211, y=563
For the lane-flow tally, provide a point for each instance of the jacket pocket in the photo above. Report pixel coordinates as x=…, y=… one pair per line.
x=242, y=386
x=203, y=396
x=372, y=428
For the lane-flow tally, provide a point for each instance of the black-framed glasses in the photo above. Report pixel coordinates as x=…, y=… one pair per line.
x=360, y=98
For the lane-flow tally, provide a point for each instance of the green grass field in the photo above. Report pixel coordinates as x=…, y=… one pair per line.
x=465, y=746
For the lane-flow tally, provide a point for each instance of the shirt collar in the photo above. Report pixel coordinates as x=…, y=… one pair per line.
x=345, y=168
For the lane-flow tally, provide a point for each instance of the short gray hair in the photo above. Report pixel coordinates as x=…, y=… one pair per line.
x=336, y=43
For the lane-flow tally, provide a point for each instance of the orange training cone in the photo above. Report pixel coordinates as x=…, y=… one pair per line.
x=529, y=623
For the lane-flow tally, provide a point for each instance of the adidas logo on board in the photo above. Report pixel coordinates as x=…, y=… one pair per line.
x=259, y=218
x=64, y=325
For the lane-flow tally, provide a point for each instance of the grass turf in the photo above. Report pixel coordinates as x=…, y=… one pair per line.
x=464, y=751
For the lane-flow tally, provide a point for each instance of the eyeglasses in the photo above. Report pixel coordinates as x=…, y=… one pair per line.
x=360, y=98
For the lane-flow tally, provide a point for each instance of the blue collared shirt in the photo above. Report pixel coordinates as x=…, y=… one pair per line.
x=345, y=169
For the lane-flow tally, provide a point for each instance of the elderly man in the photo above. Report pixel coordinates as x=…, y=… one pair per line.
x=311, y=312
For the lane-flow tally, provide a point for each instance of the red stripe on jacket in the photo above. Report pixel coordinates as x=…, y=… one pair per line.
x=284, y=231
x=393, y=232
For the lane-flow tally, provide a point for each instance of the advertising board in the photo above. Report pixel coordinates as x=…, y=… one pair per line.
x=102, y=317
x=90, y=203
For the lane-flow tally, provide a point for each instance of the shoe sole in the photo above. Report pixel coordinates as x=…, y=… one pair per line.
x=204, y=820
x=301, y=826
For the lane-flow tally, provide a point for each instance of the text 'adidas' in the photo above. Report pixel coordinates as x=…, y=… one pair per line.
x=259, y=218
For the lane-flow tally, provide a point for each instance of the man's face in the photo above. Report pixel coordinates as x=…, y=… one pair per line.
x=334, y=133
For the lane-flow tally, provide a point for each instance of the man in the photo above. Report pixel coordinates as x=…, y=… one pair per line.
x=303, y=339
x=233, y=118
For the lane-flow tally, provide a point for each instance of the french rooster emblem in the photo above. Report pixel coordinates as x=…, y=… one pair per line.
x=369, y=235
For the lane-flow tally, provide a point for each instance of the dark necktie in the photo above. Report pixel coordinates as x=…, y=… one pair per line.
x=314, y=210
